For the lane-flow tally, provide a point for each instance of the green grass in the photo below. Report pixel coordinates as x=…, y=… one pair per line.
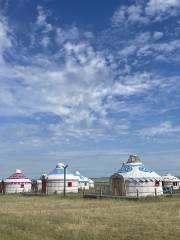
x=53, y=217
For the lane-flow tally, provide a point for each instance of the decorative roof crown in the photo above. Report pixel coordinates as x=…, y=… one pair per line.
x=60, y=165
x=134, y=159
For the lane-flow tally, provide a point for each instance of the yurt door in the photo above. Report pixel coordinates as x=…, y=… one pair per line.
x=117, y=186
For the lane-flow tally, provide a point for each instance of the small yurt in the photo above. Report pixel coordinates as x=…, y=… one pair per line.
x=17, y=183
x=39, y=185
x=91, y=183
x=83, y=181
x=133, y=179
x=55, y=181
x=170, y=183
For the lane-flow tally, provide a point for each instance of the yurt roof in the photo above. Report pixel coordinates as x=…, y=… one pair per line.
x=135, y=170
x=90, y=180
x=171, y=178
x=58, y=173
x=18, y=176
x=81, y=178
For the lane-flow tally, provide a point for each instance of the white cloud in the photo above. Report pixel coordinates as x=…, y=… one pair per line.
x=128, y=15
x=72, y=33
x=162, y=6
x=5, y=41
x=157, y=35
x=42, y=20
x=145, y=12
x=164, y=128
x=73, y=90
x=82, y=86
x=45, y=41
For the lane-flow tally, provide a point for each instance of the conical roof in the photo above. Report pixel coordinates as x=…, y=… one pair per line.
x=18, y=176
x=133, y=159
x=81, y=178
x=90, y=180
x=134, y=169
x=58, y=173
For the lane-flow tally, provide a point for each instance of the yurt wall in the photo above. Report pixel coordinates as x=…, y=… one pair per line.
x=146, y=188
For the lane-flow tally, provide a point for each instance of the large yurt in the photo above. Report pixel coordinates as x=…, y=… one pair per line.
x=133, y=179
x=55, y=181
x=170, y=183
x=17, y=183
x=83, y=181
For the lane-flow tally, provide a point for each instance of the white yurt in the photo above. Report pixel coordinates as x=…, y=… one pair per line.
x=170, y=183
x=17, y=183
x=83, y=181
x=37, y=185
x=91, y=183
x=133, y=179
x=55, y=181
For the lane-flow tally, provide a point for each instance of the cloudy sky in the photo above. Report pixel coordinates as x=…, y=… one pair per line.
x=88, y=83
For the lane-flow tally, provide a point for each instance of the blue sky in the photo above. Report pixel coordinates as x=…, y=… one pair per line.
x=88, y=83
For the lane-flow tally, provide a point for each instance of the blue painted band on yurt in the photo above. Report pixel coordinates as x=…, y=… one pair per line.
x=142, y=168
x=57, y=171
x=125, y=169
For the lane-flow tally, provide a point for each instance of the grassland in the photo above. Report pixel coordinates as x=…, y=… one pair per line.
x=49, y=218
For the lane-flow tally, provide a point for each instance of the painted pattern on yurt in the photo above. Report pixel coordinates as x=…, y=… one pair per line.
x=135, y=179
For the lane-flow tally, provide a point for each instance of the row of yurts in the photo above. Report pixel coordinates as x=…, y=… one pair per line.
x=48, y=183
x=132, y=178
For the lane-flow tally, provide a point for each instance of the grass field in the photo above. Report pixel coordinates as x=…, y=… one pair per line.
x=46, y=218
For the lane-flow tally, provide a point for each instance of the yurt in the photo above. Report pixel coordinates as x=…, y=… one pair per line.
x=133, y=179
x=83, y=181
x=37, y=185
x=17, y=183
x=55, y=181
x=91, y=183
x=170, y=183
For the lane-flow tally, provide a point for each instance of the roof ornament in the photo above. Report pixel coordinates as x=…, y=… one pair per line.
x=77, y=173
x=134, y=159
x=60, y=165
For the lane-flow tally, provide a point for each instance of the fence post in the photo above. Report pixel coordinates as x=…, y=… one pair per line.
x=155, y=192
x=137, y=193
x=171, y=191
x=101, y=191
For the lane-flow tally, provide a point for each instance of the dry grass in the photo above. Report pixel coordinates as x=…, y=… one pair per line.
x=49, y=218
